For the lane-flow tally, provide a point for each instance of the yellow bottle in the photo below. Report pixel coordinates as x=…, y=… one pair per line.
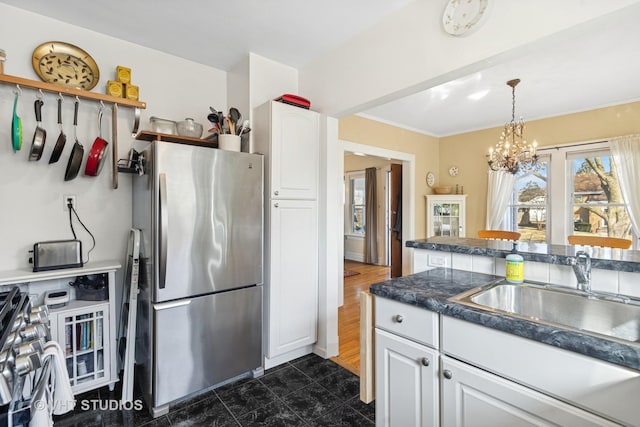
x=515, y=268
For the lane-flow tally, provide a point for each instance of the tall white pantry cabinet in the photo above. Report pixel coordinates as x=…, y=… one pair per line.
x=288, y=136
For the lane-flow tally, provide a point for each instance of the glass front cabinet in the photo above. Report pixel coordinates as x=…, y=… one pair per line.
x=82, y=330
x=446, y=215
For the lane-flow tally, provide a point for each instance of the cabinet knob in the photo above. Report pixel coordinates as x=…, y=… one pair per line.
x=398, y=318
x=276, y=205
x=425, y=361
x=275, y=193
x=447, y=374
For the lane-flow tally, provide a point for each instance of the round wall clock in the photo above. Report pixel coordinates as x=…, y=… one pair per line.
x=453, y=171
x=461, y=16
x=66, y=65
x=431, y=179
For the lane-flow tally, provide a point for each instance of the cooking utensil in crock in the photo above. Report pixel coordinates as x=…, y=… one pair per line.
x=16, y=126
x=98, y=152
x=62, y=138
x=77, y=152
x=40, y=135
x=234, y=117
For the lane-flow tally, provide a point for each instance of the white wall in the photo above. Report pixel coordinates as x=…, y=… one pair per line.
x=31, y=193
x=268, y=80
x=409, y=51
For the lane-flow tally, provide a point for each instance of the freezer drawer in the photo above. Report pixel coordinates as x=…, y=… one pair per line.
x=200, y=342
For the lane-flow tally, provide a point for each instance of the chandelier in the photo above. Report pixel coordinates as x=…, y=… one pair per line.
x=512, y=153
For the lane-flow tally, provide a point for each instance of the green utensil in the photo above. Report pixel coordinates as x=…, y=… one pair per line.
x=16, y=127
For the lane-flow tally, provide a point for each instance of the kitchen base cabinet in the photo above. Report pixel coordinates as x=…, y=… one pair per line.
x=584, y=382
x=82, y=330
x=472, y=397
x=406, y=382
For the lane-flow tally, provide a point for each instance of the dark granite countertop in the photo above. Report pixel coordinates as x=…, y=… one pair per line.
x=603, y=258
x=431, y=290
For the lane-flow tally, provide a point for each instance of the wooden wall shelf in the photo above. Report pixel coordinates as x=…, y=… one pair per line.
x=50, y=87
x=145, y=135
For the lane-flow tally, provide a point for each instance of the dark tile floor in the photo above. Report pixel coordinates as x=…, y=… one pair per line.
x=309, y=391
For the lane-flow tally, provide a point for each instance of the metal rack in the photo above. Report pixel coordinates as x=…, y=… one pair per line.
x=80, y=93
x=24, y=366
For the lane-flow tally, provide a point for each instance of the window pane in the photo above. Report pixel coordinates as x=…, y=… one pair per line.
x=357, y=191
x=358, y=219
x=527, y=212
x=358, y=201
x=598, y=207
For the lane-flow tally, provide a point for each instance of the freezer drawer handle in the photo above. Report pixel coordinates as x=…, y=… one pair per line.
x=172, y=304
x=163, y=229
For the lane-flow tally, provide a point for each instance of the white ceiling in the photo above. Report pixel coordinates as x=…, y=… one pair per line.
x=594, y=66
x=597, y=66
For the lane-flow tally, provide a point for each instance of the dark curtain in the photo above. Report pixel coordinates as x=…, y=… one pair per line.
x=371, y=217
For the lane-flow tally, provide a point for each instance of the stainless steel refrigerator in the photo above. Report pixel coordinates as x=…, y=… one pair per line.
x=199, y=319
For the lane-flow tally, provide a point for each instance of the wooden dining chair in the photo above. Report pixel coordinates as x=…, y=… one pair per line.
x=498, y=234
x=605, y=242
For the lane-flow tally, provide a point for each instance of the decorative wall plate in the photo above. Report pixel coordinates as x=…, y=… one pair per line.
x=66, y=65
x=431, y=179
x=460, y=16
x=453, y=171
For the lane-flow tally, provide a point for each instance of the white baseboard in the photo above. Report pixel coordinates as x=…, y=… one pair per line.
x=354, y=256
x=284, y=358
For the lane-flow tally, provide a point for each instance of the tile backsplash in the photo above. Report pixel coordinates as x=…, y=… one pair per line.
x=601, y=280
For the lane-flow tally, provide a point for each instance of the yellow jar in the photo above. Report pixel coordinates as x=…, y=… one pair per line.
x=123, y=74
x=3, y=57
x=114, y=88
x=131, y=92
x=515, y=268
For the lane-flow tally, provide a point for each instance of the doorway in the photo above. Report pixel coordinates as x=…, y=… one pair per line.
x=348, y=297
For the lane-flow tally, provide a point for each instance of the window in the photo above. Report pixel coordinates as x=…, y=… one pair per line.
x=597, y=207
x=357, y=202
x=527, y=210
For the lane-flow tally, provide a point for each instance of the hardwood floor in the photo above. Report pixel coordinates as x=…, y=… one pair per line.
x=349, y=313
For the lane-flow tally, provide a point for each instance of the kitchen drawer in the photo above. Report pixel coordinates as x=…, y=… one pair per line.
x=414, y=323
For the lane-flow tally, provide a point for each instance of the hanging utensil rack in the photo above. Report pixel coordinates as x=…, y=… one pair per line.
x=98, y=97
x=50, y=87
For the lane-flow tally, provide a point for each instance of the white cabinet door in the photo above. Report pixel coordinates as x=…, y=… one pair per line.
x=82, y=330
x=406, y=382
x=294, y=152
x=292, y=286
x=472, y=397
x=446, y=215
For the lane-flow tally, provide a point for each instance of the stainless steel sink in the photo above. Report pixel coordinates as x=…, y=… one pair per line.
x=614, y=317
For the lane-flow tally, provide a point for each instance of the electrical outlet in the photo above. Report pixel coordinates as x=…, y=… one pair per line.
x=65, y=201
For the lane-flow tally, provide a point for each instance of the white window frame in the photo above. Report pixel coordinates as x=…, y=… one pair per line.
x=507, y=221
x=348, y=217
x=570, y=156
x=560, y=186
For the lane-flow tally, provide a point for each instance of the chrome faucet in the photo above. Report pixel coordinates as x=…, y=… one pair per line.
x=581, y=264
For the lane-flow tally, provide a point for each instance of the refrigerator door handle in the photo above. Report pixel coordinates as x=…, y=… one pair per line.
x=164, y=224
x=171, y=304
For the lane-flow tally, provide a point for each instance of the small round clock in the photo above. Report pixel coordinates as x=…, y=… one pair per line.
x=453, y=171
x=431, y=179
x=461, y=16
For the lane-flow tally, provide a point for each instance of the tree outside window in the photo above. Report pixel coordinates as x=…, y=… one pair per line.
x=527, y=210
x=598, y=208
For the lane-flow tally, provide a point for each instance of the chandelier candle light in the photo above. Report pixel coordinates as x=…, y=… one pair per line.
x=512, y=152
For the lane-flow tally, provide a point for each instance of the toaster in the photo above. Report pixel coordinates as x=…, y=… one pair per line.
x=56, y=254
